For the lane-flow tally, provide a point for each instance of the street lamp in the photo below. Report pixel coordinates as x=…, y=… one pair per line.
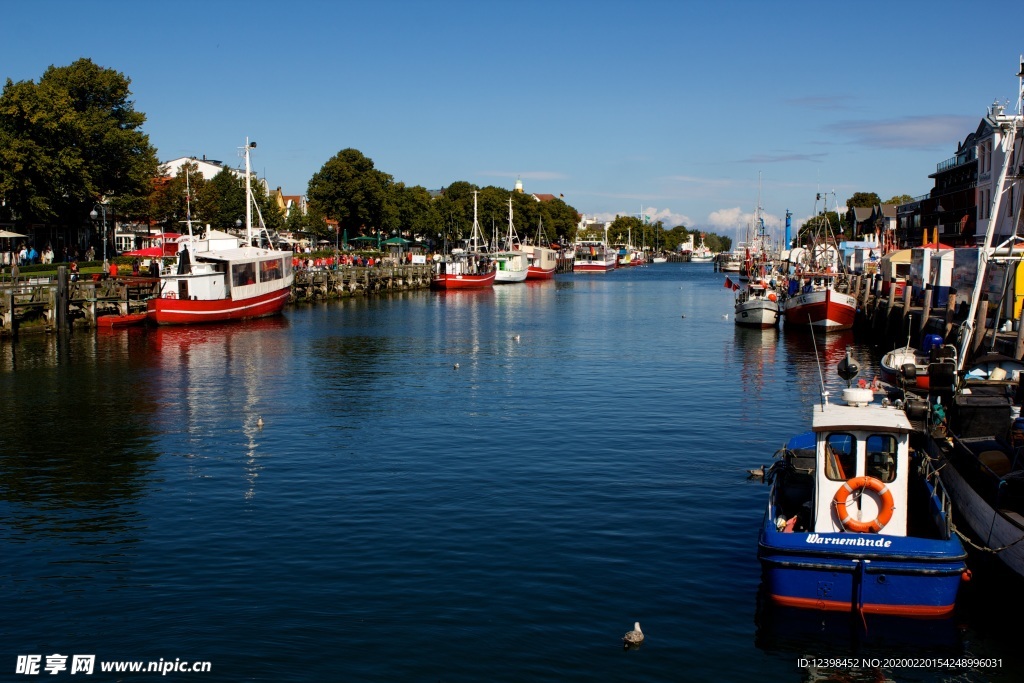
x=93, y=215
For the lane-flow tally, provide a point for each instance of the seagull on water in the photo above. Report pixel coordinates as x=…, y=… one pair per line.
x=725, y=316
x=515, y=338
x=634, y=637
x=756, y=473
x=456, y=366
x=259, y=422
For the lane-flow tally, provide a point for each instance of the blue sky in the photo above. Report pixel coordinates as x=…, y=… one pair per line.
x=674, y=107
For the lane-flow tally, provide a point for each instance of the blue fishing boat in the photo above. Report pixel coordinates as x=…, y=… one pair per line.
x=856, y=522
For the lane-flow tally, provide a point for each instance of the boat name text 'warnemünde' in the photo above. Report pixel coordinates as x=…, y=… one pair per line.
x=849, y=540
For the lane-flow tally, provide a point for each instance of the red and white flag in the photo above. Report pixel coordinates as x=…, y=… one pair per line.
x=729, y=284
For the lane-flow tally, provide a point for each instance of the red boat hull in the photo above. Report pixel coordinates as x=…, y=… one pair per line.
x=823, y=310
x=453, y=281
x=164, y=311
x=535, y=273
x=597, y=267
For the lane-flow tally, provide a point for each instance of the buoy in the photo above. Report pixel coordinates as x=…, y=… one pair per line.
x=634, y=637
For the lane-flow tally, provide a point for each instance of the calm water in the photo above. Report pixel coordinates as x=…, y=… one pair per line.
x=398, y=518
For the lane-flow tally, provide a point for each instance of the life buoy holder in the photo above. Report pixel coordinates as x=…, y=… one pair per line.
x=170, y=295
x=884, y=514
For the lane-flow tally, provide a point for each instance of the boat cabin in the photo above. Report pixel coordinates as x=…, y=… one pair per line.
x=240, y=273
x=851, y=473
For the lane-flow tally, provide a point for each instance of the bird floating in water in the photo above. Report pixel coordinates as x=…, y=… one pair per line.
x=634, y=637
x=515, y=338
x=683, y=315
x=756, y=473
x=259, y=422
x=725, y=316
x=456, y=366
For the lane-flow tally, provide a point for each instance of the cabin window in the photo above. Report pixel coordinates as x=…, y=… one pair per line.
x=243, y=274
x=840, y=457
x=881, y=457
x=271, y=270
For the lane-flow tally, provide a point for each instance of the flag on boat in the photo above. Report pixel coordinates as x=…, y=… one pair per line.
x=729, y=284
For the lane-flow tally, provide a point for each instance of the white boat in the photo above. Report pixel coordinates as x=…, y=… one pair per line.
x=757, y=305
x=702, y=254
x=594, y=256
x=220, y=277
x=542, y=259
x=510, y=259
x=730, y=262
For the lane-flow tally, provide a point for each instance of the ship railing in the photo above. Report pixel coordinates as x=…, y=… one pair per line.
x=944, y=513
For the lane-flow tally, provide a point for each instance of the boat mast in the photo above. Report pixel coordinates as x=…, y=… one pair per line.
x=1009, y=125
x=248, y=194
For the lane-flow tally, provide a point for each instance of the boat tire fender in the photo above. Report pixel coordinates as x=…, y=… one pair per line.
x=170, y=295
x=884, y=514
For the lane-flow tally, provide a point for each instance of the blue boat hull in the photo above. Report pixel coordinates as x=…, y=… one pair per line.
x=863, y=573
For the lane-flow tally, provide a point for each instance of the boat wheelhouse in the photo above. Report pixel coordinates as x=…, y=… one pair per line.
x=854, y=522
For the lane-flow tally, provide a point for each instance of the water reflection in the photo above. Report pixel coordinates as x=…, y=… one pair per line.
x=758, y=350
x=211, y=384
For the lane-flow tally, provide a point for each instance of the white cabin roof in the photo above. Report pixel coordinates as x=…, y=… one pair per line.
x=872, y=418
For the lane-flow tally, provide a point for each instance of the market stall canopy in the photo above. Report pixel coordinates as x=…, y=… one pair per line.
x=8, y=233
x=399, y=241
x=364, y=238
x=148, y=252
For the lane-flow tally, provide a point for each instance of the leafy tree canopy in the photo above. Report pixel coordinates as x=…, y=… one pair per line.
x=900, y=199
x=863, y=200
x=69, y=141
x=351, y=191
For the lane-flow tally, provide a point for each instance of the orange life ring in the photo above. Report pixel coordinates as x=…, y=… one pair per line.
x=170, y=295
x=884, y=514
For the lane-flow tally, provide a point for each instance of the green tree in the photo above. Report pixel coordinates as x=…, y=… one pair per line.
x=863, y=200
x=220, y=203
x=167, y=203
x=69, y=141
x=350, y=190
x=900, y=199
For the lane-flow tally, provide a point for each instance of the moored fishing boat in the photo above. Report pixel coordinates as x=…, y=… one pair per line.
x=908, y=367
x=757, y=304
x=219, y=277
x=510, y=261
x=854, y=523
x=462, y=269
x=594, y=256
x=819, y=293
x=823, y=303
x=542, y=260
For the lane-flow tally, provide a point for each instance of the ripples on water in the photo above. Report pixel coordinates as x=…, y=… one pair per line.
x=400, y=519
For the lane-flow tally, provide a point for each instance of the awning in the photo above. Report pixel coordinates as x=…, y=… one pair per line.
x=148, y=251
